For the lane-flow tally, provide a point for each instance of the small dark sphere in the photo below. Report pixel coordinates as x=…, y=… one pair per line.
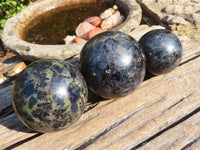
x=49, y=95
x=163, y=51
x=112, y=64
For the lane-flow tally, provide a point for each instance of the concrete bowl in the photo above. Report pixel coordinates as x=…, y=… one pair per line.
x=13, y=28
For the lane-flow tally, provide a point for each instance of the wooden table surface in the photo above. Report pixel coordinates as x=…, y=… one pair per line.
x=163, y=113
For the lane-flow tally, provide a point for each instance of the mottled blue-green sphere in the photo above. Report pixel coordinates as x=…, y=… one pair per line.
x=49, y=95
x=163, y=51
x=112, y=64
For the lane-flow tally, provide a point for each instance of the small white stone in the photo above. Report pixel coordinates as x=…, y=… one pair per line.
x=115, y=7
x=69, y=39
x=107, y=13
x=112, y=21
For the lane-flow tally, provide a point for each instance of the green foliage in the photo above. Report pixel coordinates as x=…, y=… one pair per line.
x=9, y=8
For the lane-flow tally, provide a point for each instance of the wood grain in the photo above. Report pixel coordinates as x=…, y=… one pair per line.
x=171, y=101
x=12, y=131
x=5, y=98
x=10, y=67
x=130, y=120
x=176, y=90
x=193, y=145
x=181, y=136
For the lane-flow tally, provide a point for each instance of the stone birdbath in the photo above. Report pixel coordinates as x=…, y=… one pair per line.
x=14, y=28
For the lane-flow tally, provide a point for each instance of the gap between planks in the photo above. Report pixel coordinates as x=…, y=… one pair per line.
x=154, y=108
x=190, y=53
x=175, y=141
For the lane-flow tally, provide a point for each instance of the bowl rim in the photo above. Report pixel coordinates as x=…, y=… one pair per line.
x=28, y=51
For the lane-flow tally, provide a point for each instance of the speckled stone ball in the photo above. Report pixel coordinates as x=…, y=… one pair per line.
x=163, y=51
x=49, y=95
x=112, y=64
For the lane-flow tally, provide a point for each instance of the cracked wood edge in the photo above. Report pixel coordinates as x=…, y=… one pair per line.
x=12, y=131
x=194, y=145
x=130, y=120
x=10, y=67
x=189, y=52
x=178, y=99
x=5, y=98
x=185, y=135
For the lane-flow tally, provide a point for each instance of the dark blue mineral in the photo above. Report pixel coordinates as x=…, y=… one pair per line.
x=163, y=51
x=112, y=64
x=49, y=95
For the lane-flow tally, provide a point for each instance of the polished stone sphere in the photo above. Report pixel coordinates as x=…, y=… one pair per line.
x=163, y=51
x=112, y=64
x=49, y=95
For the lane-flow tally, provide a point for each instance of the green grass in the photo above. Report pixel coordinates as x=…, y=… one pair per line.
x=9, y=8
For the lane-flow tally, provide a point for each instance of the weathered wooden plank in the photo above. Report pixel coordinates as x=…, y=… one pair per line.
x=10, y=67
x=178, y=137
x=193, y=146
x=5, y=97
x=137, y=33
x=174, y=96
x=10, y=129
x=189, y=52
x=5, y=92
x=128, y=121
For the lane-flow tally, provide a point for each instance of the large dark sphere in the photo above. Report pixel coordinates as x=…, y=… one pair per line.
x=163, y=51
x=49, y=95
x=112, y=64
